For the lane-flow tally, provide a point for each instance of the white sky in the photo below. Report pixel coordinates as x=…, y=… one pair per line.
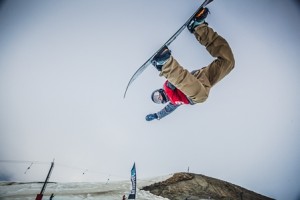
x=64, y=66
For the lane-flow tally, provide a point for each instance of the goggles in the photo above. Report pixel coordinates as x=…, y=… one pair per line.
x=158, y=96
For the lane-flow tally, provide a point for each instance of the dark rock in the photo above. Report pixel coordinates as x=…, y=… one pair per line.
x=188, y=186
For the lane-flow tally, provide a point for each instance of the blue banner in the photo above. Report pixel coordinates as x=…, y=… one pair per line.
x=133, y=182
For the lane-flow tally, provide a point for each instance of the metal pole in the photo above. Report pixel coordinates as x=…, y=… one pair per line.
x=40, y=196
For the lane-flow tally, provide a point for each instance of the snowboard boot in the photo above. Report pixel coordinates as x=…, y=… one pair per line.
x=198, y=19
x=161, y=58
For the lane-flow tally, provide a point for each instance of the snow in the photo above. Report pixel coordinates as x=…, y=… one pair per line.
x=77, y=190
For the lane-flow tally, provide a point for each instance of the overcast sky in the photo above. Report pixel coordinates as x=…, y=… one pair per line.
x=64, y=67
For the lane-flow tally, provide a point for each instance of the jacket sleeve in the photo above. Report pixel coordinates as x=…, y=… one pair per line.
x=166, y=110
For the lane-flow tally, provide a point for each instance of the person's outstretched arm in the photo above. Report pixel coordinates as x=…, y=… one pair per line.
x=169, y=108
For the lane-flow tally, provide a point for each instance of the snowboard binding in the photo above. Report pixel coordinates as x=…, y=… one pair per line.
x=198, y=19
x=161, y=58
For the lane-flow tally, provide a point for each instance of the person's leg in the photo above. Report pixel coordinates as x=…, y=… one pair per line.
x=183, y=80
x=218, y=47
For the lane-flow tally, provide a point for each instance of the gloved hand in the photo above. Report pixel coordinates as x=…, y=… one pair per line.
x=151, y=117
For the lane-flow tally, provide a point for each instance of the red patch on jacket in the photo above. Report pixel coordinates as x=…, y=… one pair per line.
x=175, y=96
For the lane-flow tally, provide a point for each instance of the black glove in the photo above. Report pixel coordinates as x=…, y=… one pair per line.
x=151, y=117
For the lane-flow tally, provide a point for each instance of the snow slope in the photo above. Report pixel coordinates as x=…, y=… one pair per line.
x=76, y=191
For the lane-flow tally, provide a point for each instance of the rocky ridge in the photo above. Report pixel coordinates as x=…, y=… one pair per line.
x=189, y=186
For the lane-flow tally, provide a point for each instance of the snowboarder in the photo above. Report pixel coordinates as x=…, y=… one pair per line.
x=182, y=86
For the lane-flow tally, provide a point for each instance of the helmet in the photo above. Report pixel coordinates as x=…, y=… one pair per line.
x=159, y=96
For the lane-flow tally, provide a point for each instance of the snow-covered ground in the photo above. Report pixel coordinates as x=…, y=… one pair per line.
x=77, y=191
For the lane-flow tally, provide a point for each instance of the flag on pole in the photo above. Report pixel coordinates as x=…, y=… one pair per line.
x=133, y=183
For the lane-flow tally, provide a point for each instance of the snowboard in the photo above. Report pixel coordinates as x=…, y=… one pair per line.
x=169, y=41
